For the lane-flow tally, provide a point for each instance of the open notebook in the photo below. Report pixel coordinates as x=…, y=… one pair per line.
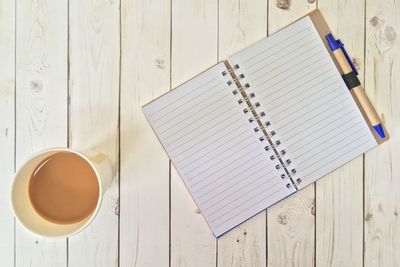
x=256, y=128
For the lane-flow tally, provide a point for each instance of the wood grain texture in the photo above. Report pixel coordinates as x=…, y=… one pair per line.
x=291, y=223
x=290, y=228
x=202, y=33
x=339, y=217
x=382, y=171
x=41, y=105
x=339, y=195
x=242, y=23
x=7, y=128
x=94, y=106
x=194, y=49
x=284, y=12
x=144, y=197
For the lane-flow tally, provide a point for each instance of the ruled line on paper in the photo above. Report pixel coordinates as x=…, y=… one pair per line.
x=188, y=119
x=338, y=144
x=263, y=189
x=210, y=127
x=338, y=156
x=321, y=105
x=245, y=196
x=287, y=74
x=275, y=101
x=224, y=178
x=195, y=148
x=205, y=135
x=191, y=109
x=267, y=196
x=187, y=105
x=244, y=146
x=267, y=63
x=205, y=178
x=300, y=157
x=321, y=122
x=297, y=97
x=336, y=121
x=309, y=53
x=188, y=93
x=305, y=99
x=213, y=146
x=232, y=182
x=314, y=128
x=226, y=125
x=278, y=48
x=310, y=100
x=178, y=127
x=267, y=90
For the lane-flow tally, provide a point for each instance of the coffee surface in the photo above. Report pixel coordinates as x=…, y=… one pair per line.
x=64, y=188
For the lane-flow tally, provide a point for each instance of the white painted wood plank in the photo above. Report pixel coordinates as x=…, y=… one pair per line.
x=94, y=97
x=290, y=226
x=144, y=197
x=290, y=223
x=41, y=105
x=339, y=217
x=283, y=12
x=339, y=195
x=241, y=23
x=382, y=171
x=194, y=49
x=7, y=82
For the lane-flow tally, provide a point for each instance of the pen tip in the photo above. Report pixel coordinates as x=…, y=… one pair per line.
x=379, y=129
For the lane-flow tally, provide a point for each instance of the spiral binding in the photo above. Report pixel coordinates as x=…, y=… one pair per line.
x=282, y=163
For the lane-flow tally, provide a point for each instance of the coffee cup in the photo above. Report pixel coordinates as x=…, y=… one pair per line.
x=27, y=194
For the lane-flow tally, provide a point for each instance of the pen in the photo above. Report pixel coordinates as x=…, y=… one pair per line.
x=350, y=78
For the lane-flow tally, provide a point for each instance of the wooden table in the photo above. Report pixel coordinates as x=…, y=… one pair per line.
x=75, y=73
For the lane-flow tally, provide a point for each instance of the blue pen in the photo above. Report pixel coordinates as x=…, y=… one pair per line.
x=350, y=78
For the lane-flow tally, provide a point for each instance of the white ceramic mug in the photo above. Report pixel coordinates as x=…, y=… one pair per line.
x=26, y=213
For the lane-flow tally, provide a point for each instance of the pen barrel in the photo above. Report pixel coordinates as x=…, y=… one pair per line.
x=358, y=91
x=342, y=61
x=366, y=105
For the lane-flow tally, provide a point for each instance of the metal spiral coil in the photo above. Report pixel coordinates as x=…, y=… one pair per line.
x=256, y=115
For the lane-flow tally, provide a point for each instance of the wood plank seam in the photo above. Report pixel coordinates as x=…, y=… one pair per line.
x=363, y=156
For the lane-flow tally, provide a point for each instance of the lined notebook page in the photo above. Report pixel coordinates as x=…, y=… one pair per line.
x=216, y=151
x=304, y=97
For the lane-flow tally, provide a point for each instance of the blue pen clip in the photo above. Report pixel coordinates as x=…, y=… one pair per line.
x=336, y=44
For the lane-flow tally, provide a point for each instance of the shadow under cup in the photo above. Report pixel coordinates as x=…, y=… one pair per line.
x=28, y=215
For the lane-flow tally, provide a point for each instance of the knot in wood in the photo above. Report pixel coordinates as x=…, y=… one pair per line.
x=282, y=218
x=374, y=21
x=36, y=86
x=283, y=4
